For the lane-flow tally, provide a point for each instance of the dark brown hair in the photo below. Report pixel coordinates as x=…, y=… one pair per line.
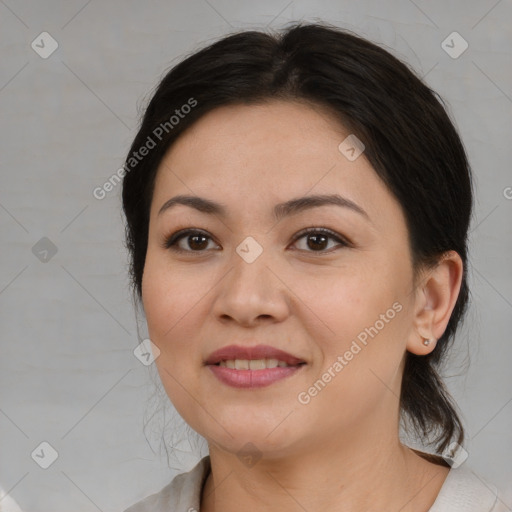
x=409, y=140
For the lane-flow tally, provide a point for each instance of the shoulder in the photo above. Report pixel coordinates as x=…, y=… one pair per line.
x=466, y=491
x=183, y=493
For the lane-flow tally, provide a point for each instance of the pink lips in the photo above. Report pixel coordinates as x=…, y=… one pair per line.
x=252, y=378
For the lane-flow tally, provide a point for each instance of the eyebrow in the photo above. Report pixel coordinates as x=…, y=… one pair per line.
x=281, y=210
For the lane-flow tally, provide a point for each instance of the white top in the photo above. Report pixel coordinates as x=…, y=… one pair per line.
x=462, y=491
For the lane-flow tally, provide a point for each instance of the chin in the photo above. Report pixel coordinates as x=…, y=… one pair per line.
x=253, y=437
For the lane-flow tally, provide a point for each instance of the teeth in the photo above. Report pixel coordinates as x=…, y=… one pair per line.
x=256, y=364
x=241, y=364
x=253, y=364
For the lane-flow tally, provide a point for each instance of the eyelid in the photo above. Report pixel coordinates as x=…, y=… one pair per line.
x=170, y=241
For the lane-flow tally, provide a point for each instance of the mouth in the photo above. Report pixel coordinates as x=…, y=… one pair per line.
x=255, y=364
x=252, y=367
x=257, y=355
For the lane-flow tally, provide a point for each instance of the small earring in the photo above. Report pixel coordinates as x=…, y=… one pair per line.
x=426, y=341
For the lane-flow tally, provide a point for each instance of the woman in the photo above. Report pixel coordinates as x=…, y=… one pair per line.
x=297, y=214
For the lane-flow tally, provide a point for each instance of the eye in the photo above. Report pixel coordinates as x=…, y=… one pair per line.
x=317, y=238
x=197, y=241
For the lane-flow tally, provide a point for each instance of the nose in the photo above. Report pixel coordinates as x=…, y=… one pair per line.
x=252, y=293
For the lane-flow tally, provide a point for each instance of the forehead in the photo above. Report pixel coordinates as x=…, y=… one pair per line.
x=271, y=129
x=256, y=155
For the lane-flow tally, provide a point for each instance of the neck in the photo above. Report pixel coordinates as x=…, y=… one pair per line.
x=354, y=474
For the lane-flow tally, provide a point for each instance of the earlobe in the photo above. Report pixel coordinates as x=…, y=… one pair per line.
x=434, y=303
x=429, y=345
x=422, y=348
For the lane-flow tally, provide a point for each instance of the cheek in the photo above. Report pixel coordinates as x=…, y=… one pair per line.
x=364, y=320
x=350, y=301
x=176, y=304
x=171, y=304
x=169, y=297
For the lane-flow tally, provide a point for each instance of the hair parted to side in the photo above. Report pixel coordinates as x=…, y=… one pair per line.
x=409, y=140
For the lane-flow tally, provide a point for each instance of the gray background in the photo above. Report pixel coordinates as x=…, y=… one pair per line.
x=68, y=374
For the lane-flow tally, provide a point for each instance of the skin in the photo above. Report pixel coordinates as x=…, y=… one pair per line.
x=340, y=451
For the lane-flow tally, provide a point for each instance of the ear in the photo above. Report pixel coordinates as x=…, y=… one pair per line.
x=435, y=297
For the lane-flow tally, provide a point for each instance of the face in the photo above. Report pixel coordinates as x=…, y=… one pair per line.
x=337, y=298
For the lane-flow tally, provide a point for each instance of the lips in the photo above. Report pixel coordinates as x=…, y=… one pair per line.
x=233, y=352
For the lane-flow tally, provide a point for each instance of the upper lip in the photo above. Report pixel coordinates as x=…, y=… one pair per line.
x=232, y=352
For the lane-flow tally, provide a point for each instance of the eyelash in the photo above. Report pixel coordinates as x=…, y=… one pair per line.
x=171, y=241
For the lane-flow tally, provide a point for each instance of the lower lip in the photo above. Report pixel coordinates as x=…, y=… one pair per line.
x=252, y=378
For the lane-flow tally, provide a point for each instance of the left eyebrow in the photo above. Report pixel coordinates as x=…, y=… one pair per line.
x=294, y=206
x=281, y=210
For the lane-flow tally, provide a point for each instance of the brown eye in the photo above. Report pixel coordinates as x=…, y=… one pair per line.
x=317, y=239
x=197, y=242
x=193, y=241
